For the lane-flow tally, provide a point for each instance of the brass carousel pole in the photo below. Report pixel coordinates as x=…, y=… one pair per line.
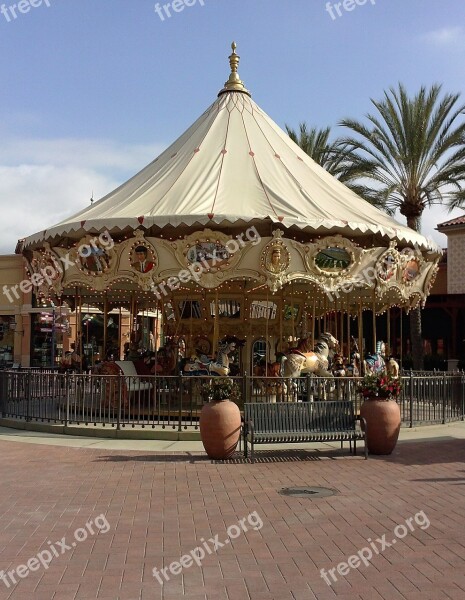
x=388, y=333
x=190, y=348
x=133, y=319
x=335, y=320
x=120, y=334
x=76, y=300
x=324, y=315
x=360, y=334
x=374, y=323
x=292, y=311
x=313, y=322
x=105, y=324
x=157, y=314
x=342, y=328
x=267, y=358
x=401, y=310
x=215, y=326
x=348, y=328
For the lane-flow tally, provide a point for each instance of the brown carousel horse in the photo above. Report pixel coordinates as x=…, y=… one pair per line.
x=274, y=369
x=338, y=367
x=265, y=375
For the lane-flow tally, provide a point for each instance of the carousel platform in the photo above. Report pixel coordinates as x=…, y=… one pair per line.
x=105, y=431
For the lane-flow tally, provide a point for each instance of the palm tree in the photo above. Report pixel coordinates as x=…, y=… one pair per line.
x=413, y=150
x=315, y=142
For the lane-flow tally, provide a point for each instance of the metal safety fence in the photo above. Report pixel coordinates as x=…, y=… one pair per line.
x=175, y=402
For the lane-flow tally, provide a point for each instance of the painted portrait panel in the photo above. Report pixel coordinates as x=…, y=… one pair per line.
x=142, y=259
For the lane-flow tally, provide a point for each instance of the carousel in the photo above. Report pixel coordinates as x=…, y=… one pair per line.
x=256, y=260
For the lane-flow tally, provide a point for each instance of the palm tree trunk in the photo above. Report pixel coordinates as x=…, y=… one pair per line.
x=413, y=221
x=416, y=338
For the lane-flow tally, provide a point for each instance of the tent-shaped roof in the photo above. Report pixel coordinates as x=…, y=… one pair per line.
x=233, y=165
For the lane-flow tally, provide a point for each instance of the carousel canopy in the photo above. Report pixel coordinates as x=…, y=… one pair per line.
x=233, y=166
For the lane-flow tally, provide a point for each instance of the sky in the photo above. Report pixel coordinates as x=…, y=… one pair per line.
x=93, y=90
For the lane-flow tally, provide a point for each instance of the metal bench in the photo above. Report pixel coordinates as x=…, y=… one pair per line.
x=287, y=422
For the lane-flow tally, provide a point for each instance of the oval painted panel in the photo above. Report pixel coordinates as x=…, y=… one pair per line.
x=333, y=259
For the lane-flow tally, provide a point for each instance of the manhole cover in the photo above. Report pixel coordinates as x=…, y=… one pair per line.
x=308, y=492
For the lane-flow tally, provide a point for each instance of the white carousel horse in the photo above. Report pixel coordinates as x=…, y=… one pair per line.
x=220, y=366
x=302, y=360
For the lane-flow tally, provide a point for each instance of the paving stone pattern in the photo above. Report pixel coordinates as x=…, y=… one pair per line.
x=159, y=507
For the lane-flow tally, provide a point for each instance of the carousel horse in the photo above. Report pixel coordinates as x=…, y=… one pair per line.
x=264, y=374
x=392, y=367
x=274, y=369
x=338, y=368
x=219, y=366
x=302, y=359
x=354, y=368
x=374, y=363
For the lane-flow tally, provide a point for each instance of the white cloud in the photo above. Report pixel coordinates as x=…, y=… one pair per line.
x=446, y=37
x=43, y=181
x=88, y=153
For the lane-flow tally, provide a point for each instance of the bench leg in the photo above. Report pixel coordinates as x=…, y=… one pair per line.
x=355, y=446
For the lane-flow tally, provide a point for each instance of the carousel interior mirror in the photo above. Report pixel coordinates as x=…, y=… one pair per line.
x=333, y=259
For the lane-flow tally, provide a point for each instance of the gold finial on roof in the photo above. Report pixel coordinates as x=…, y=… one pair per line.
x=234, y=83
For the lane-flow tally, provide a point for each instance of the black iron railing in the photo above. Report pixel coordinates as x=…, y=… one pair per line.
x=175, y=402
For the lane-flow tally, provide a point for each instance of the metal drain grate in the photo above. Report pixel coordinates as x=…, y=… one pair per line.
x=308, y=492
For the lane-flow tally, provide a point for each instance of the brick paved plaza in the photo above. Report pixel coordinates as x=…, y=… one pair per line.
x=149, y=509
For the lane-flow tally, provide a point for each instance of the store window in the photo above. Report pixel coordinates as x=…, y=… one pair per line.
x=45, y=337
x=7, y=340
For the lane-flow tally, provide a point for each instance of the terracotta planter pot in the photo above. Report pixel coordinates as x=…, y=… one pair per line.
x=383, y=425
x=220, y=428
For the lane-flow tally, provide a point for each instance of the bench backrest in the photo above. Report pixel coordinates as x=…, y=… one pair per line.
x=328, y=415
x=127, y=366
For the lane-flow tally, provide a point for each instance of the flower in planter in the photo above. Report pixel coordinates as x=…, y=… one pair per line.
x=380, y=386
x=219, y=389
